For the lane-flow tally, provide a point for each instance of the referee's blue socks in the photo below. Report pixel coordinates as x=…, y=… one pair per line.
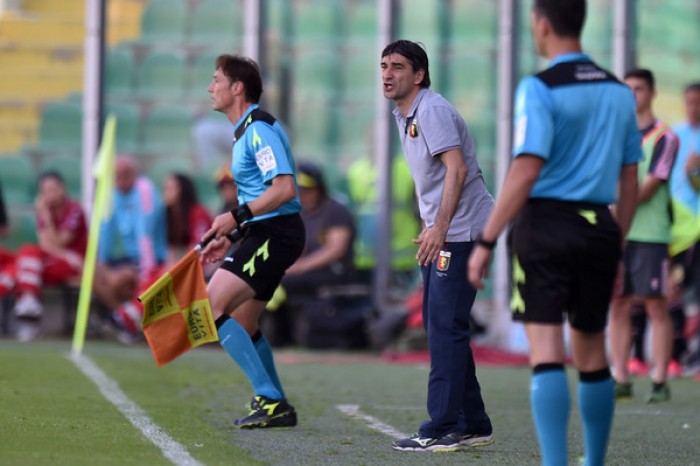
x=549, y=398
x=265, y=352
x=596, y=400
x=238, y=344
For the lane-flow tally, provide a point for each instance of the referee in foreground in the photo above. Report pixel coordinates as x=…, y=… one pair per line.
x=576, y=141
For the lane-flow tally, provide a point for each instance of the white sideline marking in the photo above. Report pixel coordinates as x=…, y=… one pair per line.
x=172, y=450
x=354, y=412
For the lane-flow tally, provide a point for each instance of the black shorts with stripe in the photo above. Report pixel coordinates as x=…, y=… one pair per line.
x=268, y=249
x=646, y=269
x=565, y=258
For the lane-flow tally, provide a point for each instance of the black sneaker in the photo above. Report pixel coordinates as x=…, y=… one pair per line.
x=267, y=412
x=449, y=442
x=476, y=440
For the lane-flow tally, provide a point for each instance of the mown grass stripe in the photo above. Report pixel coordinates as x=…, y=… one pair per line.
x=354, y=412
x=172, y=450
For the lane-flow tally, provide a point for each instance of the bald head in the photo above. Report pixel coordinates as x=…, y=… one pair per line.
x=125, y=173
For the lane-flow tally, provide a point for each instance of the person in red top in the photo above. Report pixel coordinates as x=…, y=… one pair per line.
x=187, y=219
x=58, y=258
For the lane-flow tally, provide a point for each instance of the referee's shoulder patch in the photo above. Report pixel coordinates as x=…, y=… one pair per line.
x=265, y=158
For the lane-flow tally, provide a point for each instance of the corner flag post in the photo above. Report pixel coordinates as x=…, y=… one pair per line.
x=100, y=208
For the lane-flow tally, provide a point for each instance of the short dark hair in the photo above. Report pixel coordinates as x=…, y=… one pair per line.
x=643, y=74
x=245, y=70
x=566, y=16
x=692, y=87
x=414, y=53
x=50, y=174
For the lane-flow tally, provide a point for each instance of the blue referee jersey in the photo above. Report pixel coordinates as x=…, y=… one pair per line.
x=260, y=154
x=570, y=115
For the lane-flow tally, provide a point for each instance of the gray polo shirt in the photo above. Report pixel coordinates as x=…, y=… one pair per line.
x=432, y=127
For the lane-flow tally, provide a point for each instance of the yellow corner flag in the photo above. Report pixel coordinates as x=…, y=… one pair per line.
x=176, y=311
x=103, y=173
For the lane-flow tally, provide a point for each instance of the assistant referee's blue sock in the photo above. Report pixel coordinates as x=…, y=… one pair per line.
x=596, y=401
x=238, y=344
x=549, y=398
x=262, y=346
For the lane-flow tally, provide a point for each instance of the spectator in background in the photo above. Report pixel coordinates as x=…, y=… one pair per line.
x=646, y=256
x=227, y=188
x=212, y=137
x=362, y=187
x=187, y=219
x=58, y=258
x=4, y=222
x=328, y=252
x=133, y=245
x=685, y=232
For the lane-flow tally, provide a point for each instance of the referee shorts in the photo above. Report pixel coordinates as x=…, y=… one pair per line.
x=565, y=258
x=268, y=249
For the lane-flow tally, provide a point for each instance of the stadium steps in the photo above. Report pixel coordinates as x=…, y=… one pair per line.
x=46, y=39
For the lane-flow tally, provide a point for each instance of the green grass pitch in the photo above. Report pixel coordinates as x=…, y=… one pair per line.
x=52, y=414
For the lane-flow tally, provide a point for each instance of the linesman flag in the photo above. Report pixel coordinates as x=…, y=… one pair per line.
x=177, y=315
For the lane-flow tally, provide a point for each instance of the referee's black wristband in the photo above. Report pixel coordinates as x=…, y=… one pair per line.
x=242, y=213
x=485, y=244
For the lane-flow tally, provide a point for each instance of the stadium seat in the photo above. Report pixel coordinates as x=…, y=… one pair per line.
x=217, y=22
x=162, y=168
x=166, y=131
x=163, y=21
x=361, y=75
x=22, y=229
x=128, y=122
x=312, y=131
x=201, y=72
x=473, y=25
x=119, y=73
x=472, y=76
x=356, y=131
x=162, y=76
x=316, y=76
x=318, y=23
x=206, y=188
x=61, y=127
x=69, y=167
x=17, y=181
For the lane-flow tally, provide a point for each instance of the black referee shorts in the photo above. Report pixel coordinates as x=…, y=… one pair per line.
x=268, y=249
x=565, y=257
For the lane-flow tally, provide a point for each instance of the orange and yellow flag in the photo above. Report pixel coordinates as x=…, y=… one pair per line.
x=176, y=311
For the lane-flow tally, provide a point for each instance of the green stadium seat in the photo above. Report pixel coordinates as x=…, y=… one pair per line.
x=206, y=190
x=69, y=167
x=163, y=21
x=128, y=123
x=217, y=22
x=22, y=229
x=361, y=75
x=17, y=181
x=316, y=76
x=162, y=75
x=362, y=27
x=318, y=22
x=312, y=131
x=473, y=76
x=119, y=73
x=473, y=25
x=167, y=131
x=356, y=131
x=201, y=72
x=162, y=168
x=61, y=127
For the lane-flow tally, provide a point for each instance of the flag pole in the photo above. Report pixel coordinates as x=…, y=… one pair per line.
x=103, y=175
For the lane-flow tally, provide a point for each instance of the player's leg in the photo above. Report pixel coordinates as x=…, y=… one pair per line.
x=549, y=390
x=596, y=393
x=620, y=335
x=662, y=341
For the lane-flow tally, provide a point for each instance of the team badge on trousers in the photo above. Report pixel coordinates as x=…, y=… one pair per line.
x=443, y=262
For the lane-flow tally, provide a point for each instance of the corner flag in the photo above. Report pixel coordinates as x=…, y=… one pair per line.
x=177, y=315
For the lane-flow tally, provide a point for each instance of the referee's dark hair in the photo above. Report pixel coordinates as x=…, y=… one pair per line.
x=415, y=53
x=245, y=70
x=566, y=16
x=644, y=75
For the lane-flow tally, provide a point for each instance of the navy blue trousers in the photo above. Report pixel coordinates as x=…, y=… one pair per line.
x=454, y=394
